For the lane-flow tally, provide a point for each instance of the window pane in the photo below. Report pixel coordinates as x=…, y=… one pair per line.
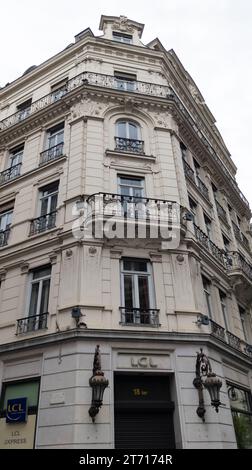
x=45, y=296
x=135, y=265
x=243, y=430
x=132, y=131
x=128, y=292
x=34, y=299
x=42, y=272
x=121, y=129
x=44, y=206
x=53, y=202
x=143, y=292
x=29, y=390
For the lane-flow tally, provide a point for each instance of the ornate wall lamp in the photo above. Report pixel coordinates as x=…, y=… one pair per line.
x=211, y=383
x=98, y=383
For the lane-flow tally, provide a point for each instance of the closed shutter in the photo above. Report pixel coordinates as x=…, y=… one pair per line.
x=144, y=429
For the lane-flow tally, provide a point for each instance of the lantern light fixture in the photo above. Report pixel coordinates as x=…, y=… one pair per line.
x=98, y=383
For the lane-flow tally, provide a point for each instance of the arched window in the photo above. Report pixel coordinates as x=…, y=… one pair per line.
x=128, y=137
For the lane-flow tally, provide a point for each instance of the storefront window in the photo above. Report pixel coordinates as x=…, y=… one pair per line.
x=241, y=408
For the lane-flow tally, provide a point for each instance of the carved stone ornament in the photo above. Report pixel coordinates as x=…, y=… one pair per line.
x=87, y=107
x=122, y=24
x=162, y=120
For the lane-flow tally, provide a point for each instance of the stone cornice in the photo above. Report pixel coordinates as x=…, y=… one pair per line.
x=164, y=338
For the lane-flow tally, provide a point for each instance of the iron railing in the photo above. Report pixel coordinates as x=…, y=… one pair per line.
x=43, y=223
x=217, y=252
x=151, y=89
x=4, y=236
x=217, y=330
x=221, y=211
x=236, y=231
x=129, y=145
x=232, y=340
x=32, y=323
x=202, y=187
x=188, y=171
x=139, y=316
x=51, y=154
x=239, y=262
x=10, y=173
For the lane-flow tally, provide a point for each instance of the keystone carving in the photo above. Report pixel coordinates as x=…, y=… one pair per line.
x=122, y=24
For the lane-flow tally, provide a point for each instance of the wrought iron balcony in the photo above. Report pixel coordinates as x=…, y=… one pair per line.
x=129, y=145
x=227, y=337
x=236, y=231
x=240, y=263
x=10, y=173
x=108, y=81
x=217, y=330
x=189, y=171
x=51, y=154
x=139, y=316
x=43, y=223
x=221, y=212
x=4, y=235
x=219, y=254
x=32, y=323
x=202, y=187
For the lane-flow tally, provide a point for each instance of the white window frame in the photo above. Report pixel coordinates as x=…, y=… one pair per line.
x=34, y=281
x=55, y=135
x=15, y=154
x=4, y=216
x=127, y=129
x=207, y=297
x=49, y=197
x=135, y=275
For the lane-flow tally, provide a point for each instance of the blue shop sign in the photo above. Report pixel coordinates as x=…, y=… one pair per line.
x=16, y=410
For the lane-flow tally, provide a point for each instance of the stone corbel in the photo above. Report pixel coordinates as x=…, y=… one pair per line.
x=24, y=268
x=115, y=253
x=3, y=273
x=155, y=257
x=53, y=258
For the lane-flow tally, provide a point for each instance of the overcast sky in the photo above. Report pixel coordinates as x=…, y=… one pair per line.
x=212, y=38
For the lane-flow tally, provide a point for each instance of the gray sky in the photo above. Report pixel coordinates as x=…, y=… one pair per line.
x=212, y=38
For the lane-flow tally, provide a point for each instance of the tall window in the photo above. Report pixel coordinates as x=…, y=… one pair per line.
x=223, y=301
x=13, y=164
x=127, y=137
x=16, y=156
x=49, y=198
x=137, y=292
x=24, y=109
x=183, y=149
x=125, y=81
x=242, y=313
x=208, y=224
x=39, y=291
x=5, y=224
x=241, y=408
x=55, y=135
x=132, y=190
x=58, y=90
x=121, y=37
x=207, y=295
x=193, y=207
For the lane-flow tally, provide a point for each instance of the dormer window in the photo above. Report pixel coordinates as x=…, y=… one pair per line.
x=125, y=81
x=58, y=90
x=125, y=38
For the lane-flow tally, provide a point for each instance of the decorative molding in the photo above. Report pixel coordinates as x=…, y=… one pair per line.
x=155, y=257
x=24, y=268
x=115, y=253
x=3, y=273
x=53, y=258
x=122, y=24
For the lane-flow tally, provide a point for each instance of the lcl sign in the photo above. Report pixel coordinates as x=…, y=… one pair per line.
x=16, y=410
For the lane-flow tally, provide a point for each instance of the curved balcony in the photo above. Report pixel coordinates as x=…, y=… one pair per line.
x=129, y=145
x=240, y=272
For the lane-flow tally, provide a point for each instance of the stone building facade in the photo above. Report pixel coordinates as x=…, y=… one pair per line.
x=106, y=130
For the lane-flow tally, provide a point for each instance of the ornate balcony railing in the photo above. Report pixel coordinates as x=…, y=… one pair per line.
x=188, y=171
x=221, y=211
x=43, y=223
x=227, y=337
x=129, y=145
x=238, y=262
x=138, y=316
x=32, y=323
x=51, y=154
x=217, y=330
x=151, y=89
x=217, y=252
x=4, y=235
x=10, y=173
x=202, y=187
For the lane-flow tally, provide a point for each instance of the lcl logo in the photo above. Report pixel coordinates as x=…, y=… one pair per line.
x=16, y=410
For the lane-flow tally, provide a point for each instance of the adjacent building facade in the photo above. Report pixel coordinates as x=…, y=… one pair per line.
x=121, y=224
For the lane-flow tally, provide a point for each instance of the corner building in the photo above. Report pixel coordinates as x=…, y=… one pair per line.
x=113, y=120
